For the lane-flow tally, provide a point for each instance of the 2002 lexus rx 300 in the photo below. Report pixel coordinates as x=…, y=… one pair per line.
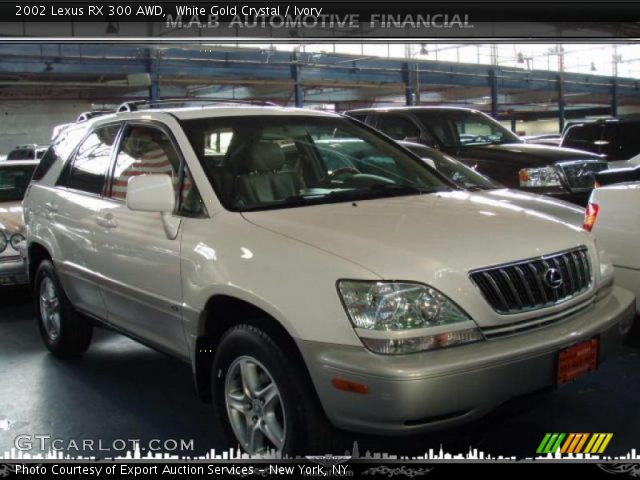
x=374, y=298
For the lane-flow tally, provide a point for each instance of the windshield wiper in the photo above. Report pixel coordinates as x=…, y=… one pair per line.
x=380, y=189
x=404, y=189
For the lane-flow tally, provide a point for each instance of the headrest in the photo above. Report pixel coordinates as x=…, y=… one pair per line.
x=266, y=157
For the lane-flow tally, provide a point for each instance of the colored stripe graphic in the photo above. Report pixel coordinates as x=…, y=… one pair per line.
x=606, y=442
x=574, y=443
x=599, y=442
x=550, y=443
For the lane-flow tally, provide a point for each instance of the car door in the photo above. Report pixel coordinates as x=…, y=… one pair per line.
x=140, y=265
x=72, y=208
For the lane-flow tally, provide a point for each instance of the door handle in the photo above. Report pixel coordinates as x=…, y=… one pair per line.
x=51, y=208
x=106, y=221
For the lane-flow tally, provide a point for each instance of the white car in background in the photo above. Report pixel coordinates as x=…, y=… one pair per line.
x=14, y=180
x=613, y=216
x=632, y=162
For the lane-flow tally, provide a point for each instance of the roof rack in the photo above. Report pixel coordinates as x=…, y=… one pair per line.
x=149, y=104
x=84, y=116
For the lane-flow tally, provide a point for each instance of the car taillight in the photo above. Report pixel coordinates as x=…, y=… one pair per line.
x=590, y=216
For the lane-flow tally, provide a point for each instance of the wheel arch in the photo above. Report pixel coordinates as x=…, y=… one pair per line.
x=221, y=313
x=37, y=252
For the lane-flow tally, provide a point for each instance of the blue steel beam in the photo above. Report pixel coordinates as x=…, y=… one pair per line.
x=211, y=62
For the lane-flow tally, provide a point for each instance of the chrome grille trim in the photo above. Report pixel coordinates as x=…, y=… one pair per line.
x=12, y=258
x=501, y=331
x=520, y=286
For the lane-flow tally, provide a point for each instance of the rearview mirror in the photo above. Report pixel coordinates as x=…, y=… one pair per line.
x=151, y=193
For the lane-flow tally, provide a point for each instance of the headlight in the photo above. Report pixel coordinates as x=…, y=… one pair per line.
x=394, y=317
x=539, y=177
x=16, y=240
x=3, y=242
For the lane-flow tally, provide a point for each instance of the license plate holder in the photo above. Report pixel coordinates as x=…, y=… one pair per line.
x=577, y=360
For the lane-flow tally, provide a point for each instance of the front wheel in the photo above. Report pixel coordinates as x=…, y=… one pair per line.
x=264, y=400
x=63, y=330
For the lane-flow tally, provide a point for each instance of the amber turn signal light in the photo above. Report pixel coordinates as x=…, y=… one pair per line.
x=349, y=386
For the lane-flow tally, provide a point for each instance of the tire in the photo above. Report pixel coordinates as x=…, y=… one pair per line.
x=247, y=352
x=64, y=331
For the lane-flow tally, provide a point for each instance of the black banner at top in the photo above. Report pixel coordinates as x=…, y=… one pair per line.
x=331, y=20
x=475, y=11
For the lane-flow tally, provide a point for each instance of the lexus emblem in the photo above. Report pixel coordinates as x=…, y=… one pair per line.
x=553, y=278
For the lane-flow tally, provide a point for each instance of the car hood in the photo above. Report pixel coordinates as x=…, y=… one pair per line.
x=424, y=237
x=11, y=220
x=565, y=211
x=526, y=154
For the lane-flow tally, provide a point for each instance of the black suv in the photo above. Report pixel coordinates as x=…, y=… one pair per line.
x=481, y=142
x=614, y=139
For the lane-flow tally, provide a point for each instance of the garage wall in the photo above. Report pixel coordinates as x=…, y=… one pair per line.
x=29, y=122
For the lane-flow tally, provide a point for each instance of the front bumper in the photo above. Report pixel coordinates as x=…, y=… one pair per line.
x=13, y=271
x=430, y=390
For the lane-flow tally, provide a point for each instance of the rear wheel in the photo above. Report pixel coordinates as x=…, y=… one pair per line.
x=64, y=331
x=264, y=400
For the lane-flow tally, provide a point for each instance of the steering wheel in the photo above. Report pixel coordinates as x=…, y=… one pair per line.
x=341, y=171
x=480, y=138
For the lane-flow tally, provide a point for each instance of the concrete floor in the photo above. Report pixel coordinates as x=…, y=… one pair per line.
x=121, y=390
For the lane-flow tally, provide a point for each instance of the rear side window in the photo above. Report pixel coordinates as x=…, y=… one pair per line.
x=623, y=140
x=88, y=168
x=583, y=137
x=21, y=154
x=58, y=151
x=14, y=181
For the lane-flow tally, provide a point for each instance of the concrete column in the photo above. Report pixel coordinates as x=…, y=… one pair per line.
x=152, y=68
x=298, y=91
x=409, y=86
x=493, y=84
x=561, y=103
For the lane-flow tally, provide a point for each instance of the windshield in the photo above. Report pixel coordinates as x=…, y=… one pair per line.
x=463, y=176
x=14, y=181
x=464, y=128
x=262, y=162
x=21, y=154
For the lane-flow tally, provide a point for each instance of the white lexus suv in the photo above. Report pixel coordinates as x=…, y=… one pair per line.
x=375, y=298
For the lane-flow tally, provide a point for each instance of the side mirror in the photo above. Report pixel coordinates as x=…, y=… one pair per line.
x=151, y=193
x=154, y=193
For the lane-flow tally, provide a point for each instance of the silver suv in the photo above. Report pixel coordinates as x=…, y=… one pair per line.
x=376, y=298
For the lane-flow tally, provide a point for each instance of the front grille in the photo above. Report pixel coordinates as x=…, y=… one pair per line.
x=505, y=330
x=580, y=174
x=535, y=283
